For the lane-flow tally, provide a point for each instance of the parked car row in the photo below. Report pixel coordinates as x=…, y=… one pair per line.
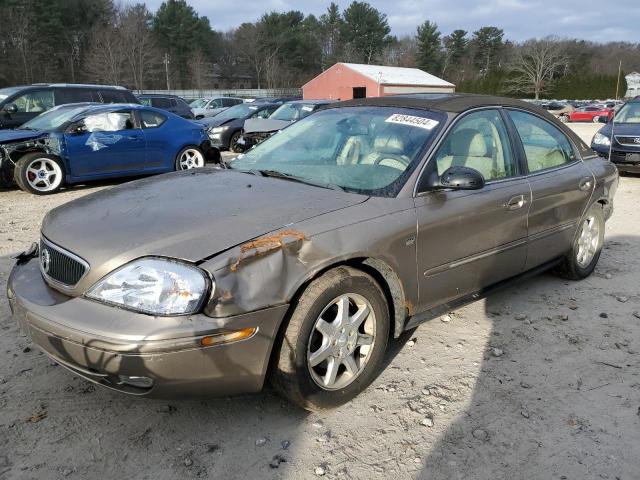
x=301, y=260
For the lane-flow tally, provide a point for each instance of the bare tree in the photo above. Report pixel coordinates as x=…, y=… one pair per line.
x=106, y=56
x=534, y=65
x=141, y=53
x=200, y=69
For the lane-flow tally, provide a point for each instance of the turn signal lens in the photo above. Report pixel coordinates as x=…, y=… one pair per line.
x=227, y=337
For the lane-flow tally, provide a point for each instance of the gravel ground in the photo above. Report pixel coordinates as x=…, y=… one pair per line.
x=539, y=381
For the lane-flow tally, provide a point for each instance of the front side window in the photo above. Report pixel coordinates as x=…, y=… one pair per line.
x=35, y=102
x=479, y=141
x=369, y=150
x=108, y=122
x=545, y=146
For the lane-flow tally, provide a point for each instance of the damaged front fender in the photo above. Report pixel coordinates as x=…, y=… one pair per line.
x=271, y=269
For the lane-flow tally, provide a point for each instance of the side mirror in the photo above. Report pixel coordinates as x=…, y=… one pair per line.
x=603, y=119
x=11, y=108
x=455, y=178
x=76, y=128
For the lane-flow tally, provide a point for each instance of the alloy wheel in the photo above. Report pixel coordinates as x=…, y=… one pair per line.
x=43, y=174
x=588, y=241
x=341, y=342
x=191, y=158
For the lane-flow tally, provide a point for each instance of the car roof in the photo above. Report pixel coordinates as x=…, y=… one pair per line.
x=158, y=95
x=311, y=102
x=446, y=102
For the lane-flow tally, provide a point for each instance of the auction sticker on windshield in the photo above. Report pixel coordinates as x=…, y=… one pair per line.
x=420, y=122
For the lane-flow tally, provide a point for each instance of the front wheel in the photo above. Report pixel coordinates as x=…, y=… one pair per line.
x=581, y=260
x=39, y=173
x=189, y=157
x=234, y=146
x=335, y=341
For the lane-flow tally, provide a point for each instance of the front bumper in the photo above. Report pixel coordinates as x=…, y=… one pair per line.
x=627, y=160
x=110, y=346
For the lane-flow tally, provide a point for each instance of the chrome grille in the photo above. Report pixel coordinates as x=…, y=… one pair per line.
x=628, y=140
x=60, y=265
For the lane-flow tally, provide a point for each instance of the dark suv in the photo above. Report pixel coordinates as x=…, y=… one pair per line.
x=20, y=104
x=170, y=103
x=621, y=138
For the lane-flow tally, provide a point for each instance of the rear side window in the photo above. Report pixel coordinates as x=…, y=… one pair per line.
x=112, y=96
x=161, y=102
x=545, y=146
x=174, y=102
x=151, y=119
x=74, y=95
x=37, y=101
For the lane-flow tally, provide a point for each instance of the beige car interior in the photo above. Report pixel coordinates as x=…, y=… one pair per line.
x=388, y=149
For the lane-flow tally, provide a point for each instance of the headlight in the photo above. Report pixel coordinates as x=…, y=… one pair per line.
x=153, y=285
x=600, y=139
x=218, y=129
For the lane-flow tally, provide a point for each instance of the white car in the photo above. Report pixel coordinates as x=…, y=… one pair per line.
x=210, y=107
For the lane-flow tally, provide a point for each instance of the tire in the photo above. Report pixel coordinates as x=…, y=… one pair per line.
x=233, y=143
x=310, y=387
x=572, y=267
x=39, y=173
x=189, y=157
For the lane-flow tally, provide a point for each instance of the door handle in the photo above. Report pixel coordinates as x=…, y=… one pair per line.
x=515, y=203
x=585, y=184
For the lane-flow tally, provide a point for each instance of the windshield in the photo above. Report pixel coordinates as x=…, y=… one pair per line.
x=7, y=92
x=241, y=110
x=369, y=150
x=290, y=112
x=54, y=118
x=199, y=103
x=629, y=113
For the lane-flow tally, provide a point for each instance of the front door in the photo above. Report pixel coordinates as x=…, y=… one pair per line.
x=561, y=185
x=468, y=240
x=107, y=143
x=29, y=106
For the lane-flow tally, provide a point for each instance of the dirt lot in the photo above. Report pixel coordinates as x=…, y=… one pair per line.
x=540, y=381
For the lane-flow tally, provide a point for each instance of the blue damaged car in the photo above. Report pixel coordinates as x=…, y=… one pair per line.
x=81, y=142
x=619, y=140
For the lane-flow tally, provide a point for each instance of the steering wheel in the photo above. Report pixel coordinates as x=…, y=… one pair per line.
x=382, y=157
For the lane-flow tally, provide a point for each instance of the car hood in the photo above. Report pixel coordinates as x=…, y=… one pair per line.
x=188, y=215
x=8, y=136
x=216, y=122
x=631, y=129
x=253, y=125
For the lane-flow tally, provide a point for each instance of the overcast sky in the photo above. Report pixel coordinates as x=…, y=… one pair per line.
x=598, y=20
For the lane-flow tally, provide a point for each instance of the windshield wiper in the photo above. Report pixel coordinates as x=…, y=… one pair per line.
x=294, y=178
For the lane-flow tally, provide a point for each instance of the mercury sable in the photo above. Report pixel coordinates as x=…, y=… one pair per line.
x=302, y=259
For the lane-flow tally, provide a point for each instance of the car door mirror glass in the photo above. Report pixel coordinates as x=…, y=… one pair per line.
x=454, y=178
x=11, y=108
x=77, y=128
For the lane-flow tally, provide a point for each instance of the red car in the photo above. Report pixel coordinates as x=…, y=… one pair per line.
x=592, y=113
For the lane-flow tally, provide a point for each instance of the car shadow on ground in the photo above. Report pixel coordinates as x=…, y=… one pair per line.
x=554, y=394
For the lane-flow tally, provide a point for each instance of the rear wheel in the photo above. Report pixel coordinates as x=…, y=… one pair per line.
x=335, y=341
x=581, y=260
x=39, y=173
x=189, y=157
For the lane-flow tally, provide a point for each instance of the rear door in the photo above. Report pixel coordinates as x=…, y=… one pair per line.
x=561, y=185
x=470, y=239
x=109, y=143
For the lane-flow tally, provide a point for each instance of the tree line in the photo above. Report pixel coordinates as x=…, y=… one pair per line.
x=101, y=41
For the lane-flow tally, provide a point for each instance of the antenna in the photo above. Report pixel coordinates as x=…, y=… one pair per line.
x=613, y=120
